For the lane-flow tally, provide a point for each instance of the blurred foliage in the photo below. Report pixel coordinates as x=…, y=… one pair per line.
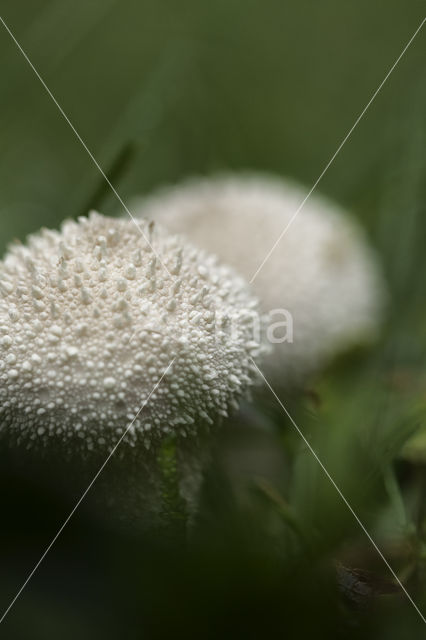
x=160, y=90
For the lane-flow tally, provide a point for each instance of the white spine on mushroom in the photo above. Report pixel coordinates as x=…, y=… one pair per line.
x=322, y=271
x=89, y=322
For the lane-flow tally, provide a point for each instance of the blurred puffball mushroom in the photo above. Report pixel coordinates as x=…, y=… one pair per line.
x=321, y=285
x=92, y=319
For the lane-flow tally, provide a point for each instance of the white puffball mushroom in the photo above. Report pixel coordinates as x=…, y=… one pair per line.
x=91, y=317
x=323, y=272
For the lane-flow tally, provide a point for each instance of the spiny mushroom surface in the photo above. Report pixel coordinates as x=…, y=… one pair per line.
x=323, y=272
x=90, y=320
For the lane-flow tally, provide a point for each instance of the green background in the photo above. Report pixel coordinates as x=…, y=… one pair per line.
x=198, y=86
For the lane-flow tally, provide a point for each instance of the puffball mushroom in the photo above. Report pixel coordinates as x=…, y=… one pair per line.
x=91, y=318
x=322, y=272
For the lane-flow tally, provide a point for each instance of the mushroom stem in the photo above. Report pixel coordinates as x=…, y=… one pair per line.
x=174, y=512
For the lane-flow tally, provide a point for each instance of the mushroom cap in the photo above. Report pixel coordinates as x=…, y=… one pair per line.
x=91, y=318
x=322, y=271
